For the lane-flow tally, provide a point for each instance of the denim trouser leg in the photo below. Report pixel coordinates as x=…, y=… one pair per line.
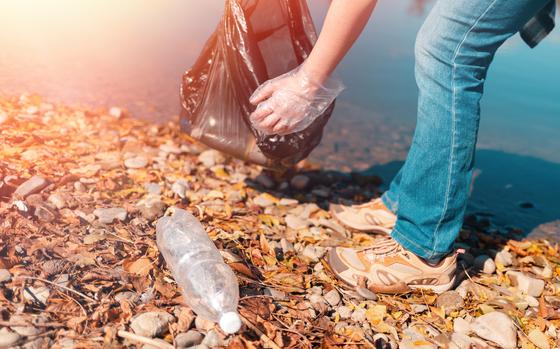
x=454, y=49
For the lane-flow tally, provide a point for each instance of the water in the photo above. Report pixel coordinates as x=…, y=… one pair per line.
x=132, y=53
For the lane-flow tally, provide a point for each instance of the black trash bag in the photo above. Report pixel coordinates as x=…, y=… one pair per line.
x=256, y=40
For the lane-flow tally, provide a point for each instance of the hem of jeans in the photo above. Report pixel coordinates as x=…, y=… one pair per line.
x=391, y=204
x=422, y=252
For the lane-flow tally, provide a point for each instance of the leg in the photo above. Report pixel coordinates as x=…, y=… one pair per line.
x=454, y=49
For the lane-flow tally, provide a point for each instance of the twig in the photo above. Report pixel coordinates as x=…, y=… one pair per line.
x=27, y=324
x=145, y=340
x=263, y=337
x=58, y=285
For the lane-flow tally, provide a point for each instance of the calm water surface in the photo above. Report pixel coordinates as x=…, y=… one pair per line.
x=132, y=53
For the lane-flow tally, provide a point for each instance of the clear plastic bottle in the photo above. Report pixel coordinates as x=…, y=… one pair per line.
x=210, y=286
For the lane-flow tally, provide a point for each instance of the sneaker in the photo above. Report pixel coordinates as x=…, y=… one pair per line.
x=387, y=267
x=373, y=216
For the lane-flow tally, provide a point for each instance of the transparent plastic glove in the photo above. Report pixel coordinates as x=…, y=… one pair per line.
x=291, y=102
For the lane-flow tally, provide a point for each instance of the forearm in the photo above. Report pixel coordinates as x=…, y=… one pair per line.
x=343, y=24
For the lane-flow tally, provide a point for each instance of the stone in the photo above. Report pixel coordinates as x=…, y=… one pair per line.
x=299, y=182
x=504, y=258
x=287, y=202
x=332, y=297
x=461, y=325
x=316, y=299
x=313, y=252
x=188, y=339
x=203, y=324
x=151, y=207
x=366, y=293
x=419, y=308
x=265, y=181
x=485, y=264
x=263, y=200
x=213, y=339
x=3, y=117
x=31, y=186
x=539, y=339
x=180, y=188
x=413, y=339
x=286, y=246
x=344, y=312
x=358, y=315
x=36, y=294
x=116, y=112
x=151, y=324
x=57, y=200
x=153, y=346
x=526, y=284
x=136, y=162
x=170, y=148
x=496, y=327
x=275, y=294
x=296, y=223
x=125, y=295
x=108, y=215
x=211, y=158
x=5, y=275
x=450, y=301
x=153, y=188
x=8, y=339
x=461, y=340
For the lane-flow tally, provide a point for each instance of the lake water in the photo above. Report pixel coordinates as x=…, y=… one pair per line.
x=132, y=53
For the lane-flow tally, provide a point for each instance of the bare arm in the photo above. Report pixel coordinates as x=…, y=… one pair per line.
x=291, y=102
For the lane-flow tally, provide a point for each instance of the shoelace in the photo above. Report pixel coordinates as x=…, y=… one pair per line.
x=384, y=247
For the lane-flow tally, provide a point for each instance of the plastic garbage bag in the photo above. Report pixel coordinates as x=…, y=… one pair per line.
x=256, y=40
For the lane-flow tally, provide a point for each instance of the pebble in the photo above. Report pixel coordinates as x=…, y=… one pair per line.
x=287, y=202
x=344, y=312
x=5, y=275
x=151, y=207
x=526, y=284
x=211, y=157
x=203, y=324
x=151, y=324
x=136, y=162
x=358, y=315
x=265, y=181
x=485, y=264
x=316, y=299
x=461, y=341
x=450, y=301
x=299, y=182
x=263, y=200
x=170, y=148
x=158, y=340
x=286, y=246
x=275, y=294
x=314, y=252
x=295, y=222
x=116, y=112
x=108, y=215
x=3, y=117
x=188, y=339
x=213, y=340
x=413, y=339
x=57, y=200
x=504, y=258
x=419, y=308
x=366, y=293
x=180, y=188
x=539, y=339
x=496, y=327
x=33, y=185
x=153, y=188
x=8, y=339
x=332, y=297
x=461, y=325
x=125, y=295
x=34, y=294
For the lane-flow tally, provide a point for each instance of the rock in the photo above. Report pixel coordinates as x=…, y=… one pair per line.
x=286, y=246
x=136, y=162
x=211, y=158
x=299, y=182
x=485, y=264
x=116, y=112
x=366, y=293
x=496, y=327
x=358, y=315
x=287, y=202
x=263, y=200
x=159, y=346
x=180, y=188
x=332, y=297
x=8, y=339
x=151, y=324
x=526, y=284
x=125, y=295
x=344, y=312
x=188, y=339
x=419, y=308
x=296, y=223
x=31, y=186
x=275, y=294
x=153, y=188
x=461, y=325
x=5, y=275
x=213, y=340
x=413, y=339
x=461, y=341
x=539, y=339
x=108, y=215
x=57, y=200
x=265, y=181
x=171, y=148
x=313, y=252
x=36, y=294
x=316, y=299
x=151, y=207
x=450, y=301
x=3, y=117
x=504, y=258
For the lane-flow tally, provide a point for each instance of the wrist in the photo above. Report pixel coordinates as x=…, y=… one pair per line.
x=315, y=75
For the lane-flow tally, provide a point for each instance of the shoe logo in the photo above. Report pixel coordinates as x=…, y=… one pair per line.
x=425, y=281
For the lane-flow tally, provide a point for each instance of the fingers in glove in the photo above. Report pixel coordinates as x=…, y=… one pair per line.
x=282, y=128
x=268, y=124
x=263, y=110
x=263, y=92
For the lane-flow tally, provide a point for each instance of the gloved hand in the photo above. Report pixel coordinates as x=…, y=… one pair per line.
x=291, y=102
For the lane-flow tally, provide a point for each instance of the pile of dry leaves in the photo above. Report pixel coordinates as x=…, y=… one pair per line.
x=80, y=192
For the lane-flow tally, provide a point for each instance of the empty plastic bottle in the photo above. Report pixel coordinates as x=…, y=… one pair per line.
x=210, y=286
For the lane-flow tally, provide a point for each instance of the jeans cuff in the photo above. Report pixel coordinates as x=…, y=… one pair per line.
x=391, y=204
x=412, y=246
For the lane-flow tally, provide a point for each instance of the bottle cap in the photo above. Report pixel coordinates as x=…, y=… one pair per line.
x=230, y=322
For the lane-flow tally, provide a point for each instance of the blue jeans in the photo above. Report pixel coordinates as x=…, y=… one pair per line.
x=454, y=49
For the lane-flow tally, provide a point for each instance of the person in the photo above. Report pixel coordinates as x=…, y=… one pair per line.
x=423, y=210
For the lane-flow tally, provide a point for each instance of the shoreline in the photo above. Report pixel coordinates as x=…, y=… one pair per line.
x=79, y=263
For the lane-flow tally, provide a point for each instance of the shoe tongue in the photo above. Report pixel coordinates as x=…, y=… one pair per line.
x=382, y=248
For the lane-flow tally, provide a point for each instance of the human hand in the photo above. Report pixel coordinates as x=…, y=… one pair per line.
x=291, y=102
